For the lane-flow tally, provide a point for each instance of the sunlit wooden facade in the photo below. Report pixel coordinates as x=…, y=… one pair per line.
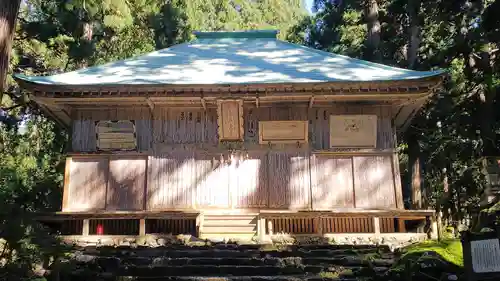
x=204, y=158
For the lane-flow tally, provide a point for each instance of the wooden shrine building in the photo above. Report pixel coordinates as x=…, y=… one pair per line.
x=234, y=134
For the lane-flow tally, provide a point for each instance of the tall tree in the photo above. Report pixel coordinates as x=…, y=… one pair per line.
x=371, y=14
x=8, y=16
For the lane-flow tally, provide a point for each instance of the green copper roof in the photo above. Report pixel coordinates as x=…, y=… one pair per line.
x=239, y=34
x=249, y=57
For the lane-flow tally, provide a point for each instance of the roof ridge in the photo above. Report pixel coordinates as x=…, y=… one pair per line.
x=236, y=34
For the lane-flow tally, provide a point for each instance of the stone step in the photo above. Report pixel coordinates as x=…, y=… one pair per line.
x=236, y=278
x=113, y=262
x=236, y=254
x=230, y=250
x=226, y=270
x=197, y=270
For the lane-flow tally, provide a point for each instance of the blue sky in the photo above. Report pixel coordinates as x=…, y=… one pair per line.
x=309, y=4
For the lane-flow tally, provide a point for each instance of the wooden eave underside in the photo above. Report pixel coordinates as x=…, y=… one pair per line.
x=380, y=87
x=406, y=97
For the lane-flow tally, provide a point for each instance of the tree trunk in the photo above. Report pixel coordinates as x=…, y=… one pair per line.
x=413, y=9
x=8, y=15
x=373, y=31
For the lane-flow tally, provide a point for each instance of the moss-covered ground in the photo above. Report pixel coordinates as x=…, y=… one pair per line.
x=449, y=250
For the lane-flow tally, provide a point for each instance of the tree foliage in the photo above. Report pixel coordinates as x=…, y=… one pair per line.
x=458, y=128
x=54, y=36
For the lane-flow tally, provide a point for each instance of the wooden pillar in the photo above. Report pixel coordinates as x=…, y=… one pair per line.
x=270, y=226
x=67, y=172
x=401, y=225
x=261, y=228
x=318, y=225
x=199, y=223
x=434, y=228
x=376, y=225
x=86, y=227
x=142, y=227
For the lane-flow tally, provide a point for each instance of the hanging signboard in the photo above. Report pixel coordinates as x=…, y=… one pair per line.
x=116, y=135
x=230, y=120
x=283, y=132
x=353, y=131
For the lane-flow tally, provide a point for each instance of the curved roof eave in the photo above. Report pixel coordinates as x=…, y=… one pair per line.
x=230, y=59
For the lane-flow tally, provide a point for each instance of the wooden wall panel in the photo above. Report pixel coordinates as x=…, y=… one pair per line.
x=144, y=136
x=332, y=182
x=374, y=182
x=171, y=180
x=87, y=184
x=83, y=137
x=289, y=180
x=126, y=184
x=185, y=126
x=212, y=189
x=248, y=177
x=318, y=117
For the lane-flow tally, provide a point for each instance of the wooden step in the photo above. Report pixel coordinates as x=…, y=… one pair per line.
x=231, y=229
x=228, y=222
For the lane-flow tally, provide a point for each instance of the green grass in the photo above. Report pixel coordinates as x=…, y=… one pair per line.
x=449, y=250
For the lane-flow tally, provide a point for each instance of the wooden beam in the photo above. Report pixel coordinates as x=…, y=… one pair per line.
x=311, y=102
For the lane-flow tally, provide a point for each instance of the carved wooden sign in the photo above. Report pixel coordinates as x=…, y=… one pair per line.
x=230, y=120
x=353, y=131
x=283, y=132
x=116, y=135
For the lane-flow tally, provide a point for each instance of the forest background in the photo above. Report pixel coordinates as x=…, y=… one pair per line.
x=443, y=153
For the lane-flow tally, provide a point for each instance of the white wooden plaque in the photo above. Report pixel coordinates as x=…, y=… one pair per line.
x=485, y=255
x=356, y=131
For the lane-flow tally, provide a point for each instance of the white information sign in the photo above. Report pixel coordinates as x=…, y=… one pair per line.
x=485, y=256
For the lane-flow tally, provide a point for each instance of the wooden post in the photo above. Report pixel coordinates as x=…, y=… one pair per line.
x=376, y=225
x=199, y=223
x=270, y=226
x=67, y=172
x=86, y=227
x=318, y=225
x=434, y=228
x=261, y=228
x=142, y=227
x=401, y=225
